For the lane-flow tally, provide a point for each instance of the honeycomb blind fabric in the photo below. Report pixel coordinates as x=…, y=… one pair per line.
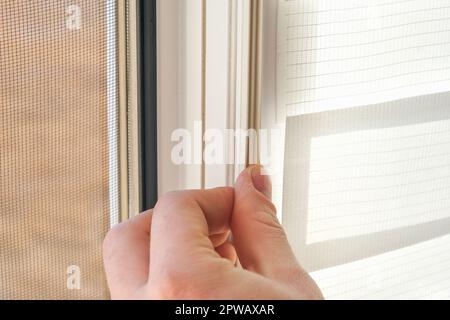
x=341, y=54
x=363, y=90
x=58, y=141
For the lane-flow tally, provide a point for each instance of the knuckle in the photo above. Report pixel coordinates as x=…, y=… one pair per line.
x=114, y=236
x=265, y=212
x=267, y=222
x=263, y=202
x=271, y=222
x=173, y=200
x=170, y=198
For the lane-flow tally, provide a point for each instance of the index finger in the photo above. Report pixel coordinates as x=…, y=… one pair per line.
x=182, y=223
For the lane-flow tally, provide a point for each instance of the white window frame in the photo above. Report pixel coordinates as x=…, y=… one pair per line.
x=203, y=77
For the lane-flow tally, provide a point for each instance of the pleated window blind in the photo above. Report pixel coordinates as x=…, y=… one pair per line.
x=363, y=93
x=59, y=190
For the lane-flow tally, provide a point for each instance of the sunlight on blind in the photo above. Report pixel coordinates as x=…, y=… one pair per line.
x=416, y=272
x=372, y=180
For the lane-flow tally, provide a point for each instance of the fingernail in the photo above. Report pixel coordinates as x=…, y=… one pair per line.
x=261, y=182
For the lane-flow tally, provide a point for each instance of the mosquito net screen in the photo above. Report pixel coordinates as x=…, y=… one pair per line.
x=58, y=139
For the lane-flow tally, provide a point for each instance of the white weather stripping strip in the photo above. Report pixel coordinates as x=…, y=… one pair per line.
x=112, y=104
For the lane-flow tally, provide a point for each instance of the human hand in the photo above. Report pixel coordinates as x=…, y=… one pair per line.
x=182, y=248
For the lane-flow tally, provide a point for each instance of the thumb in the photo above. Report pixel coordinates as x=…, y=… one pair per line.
x=259, y=238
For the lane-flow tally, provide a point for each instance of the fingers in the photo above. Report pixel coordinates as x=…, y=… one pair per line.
x=224, y=247
x=182, y=224
x=187, y=253
x=126, y=256
x=227, y=251
x=218, y=239
x=259, y=239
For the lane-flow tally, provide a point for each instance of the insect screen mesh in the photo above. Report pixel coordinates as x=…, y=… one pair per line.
x=58, y=189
